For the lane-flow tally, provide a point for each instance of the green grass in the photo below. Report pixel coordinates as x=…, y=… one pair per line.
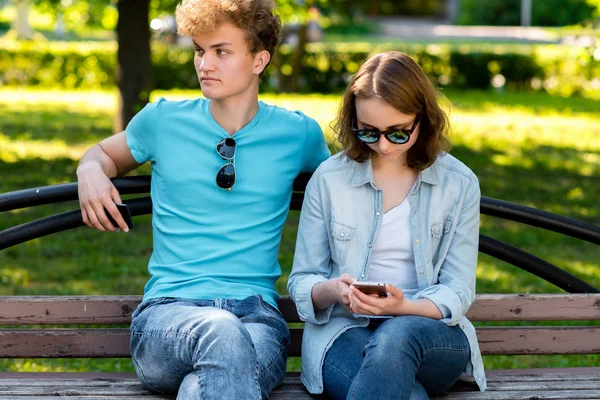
x=528, y=148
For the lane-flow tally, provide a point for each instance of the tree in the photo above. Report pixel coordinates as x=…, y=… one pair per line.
x=21, y=21
x=134, y=68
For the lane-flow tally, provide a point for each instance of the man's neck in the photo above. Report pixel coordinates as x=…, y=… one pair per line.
x=233, y=113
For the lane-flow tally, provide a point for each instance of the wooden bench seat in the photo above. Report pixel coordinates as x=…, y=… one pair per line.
x=30, y=340
x=576, y=383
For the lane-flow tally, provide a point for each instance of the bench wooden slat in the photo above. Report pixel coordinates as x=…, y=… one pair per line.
x=67, y=343
x=535, y=307
x=504, y=384
x=539, y=340
x=55, y=310
x=524, y=395
x=145, y=396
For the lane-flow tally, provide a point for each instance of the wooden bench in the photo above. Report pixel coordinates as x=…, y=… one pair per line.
x=87, y=323
x=570, y=383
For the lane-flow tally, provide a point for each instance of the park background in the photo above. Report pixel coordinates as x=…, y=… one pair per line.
x=521, y=80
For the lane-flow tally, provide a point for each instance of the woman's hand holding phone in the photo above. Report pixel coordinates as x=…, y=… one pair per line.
x=342, y=290
x=372, y=304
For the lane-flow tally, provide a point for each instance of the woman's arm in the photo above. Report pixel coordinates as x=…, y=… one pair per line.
x=455, y=291
x=335, y=290
x=309, y=284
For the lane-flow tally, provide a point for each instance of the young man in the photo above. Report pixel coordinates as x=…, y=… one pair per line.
x=222, y=174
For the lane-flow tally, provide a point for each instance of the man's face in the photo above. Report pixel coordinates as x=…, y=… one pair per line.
x=224, y=63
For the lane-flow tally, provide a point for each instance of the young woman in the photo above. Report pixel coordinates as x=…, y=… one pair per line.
x=393, y=208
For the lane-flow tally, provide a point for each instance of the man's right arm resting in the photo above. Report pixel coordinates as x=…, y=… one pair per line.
x=108, y=159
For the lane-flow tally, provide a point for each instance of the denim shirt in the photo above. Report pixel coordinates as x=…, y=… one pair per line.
x=340, y=219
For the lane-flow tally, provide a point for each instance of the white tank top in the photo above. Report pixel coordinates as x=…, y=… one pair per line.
x=392, y=258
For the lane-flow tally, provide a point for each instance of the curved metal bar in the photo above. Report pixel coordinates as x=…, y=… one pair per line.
x=60, y=222
x=541, y=219
x=66, y=192
x=141, y=184
x=532, y=264
x=301, y=181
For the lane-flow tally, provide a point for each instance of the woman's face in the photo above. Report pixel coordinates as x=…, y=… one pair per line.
x=374, y=113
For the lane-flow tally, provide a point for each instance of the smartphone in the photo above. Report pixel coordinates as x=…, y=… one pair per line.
x=377, y=288
x=124, y=210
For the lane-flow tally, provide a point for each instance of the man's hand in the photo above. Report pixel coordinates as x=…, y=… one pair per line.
x=393, y=304
x=96, y=192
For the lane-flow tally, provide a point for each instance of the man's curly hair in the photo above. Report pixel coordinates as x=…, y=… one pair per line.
x=255, y=17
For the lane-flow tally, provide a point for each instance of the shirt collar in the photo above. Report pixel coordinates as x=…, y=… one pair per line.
x=363, y=174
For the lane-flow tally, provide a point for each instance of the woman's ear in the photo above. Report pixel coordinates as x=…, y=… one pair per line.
x=261, y=59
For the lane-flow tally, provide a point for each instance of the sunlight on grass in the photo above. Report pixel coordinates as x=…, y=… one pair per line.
x=580, y=132
x=14, y=276
x=74, y=100
x=66, y=365
x=16, y=150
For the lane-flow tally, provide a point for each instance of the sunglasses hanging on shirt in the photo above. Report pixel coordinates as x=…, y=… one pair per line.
x=226, y=174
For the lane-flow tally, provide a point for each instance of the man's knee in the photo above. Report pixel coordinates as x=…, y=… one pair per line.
x=222, y=333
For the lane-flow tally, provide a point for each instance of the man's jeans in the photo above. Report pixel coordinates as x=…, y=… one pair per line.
x=404, y=357
x=209, y=349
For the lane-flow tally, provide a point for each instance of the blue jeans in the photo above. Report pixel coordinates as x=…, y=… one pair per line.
x=209, y=349
x=407, y=357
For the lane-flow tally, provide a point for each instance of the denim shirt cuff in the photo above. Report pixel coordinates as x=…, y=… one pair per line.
x=304, y=304
x=443, y=298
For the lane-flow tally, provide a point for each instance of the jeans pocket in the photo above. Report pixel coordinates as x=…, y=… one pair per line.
x=145, y=305
x=269, y=307
x=282, y=327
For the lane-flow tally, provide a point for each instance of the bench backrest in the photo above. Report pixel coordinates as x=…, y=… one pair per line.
x=35, y=341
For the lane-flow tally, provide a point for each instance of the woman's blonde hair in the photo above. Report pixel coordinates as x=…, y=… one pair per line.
x=398, y=80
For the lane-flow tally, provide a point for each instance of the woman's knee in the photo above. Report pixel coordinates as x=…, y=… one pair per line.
x=398, y=336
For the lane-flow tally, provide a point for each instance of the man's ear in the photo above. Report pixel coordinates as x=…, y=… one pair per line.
x=261, y=59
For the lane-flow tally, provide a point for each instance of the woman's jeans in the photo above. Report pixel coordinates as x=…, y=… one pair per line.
x=209, y=349
x=406, y=357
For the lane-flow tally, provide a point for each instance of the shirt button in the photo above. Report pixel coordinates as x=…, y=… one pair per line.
x=417, y=241
x=378, y=214
x=414, y=212
x=342, y=234
x=363, y=276
x=370, y=244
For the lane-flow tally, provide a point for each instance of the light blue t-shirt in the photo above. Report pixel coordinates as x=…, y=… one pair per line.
x=209, y=242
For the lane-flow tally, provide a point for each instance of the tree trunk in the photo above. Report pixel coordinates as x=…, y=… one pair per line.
x=297, y=64
x=134, y=69
x=21, y=21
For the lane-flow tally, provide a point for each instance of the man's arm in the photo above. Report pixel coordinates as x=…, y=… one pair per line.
x=110, y=158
